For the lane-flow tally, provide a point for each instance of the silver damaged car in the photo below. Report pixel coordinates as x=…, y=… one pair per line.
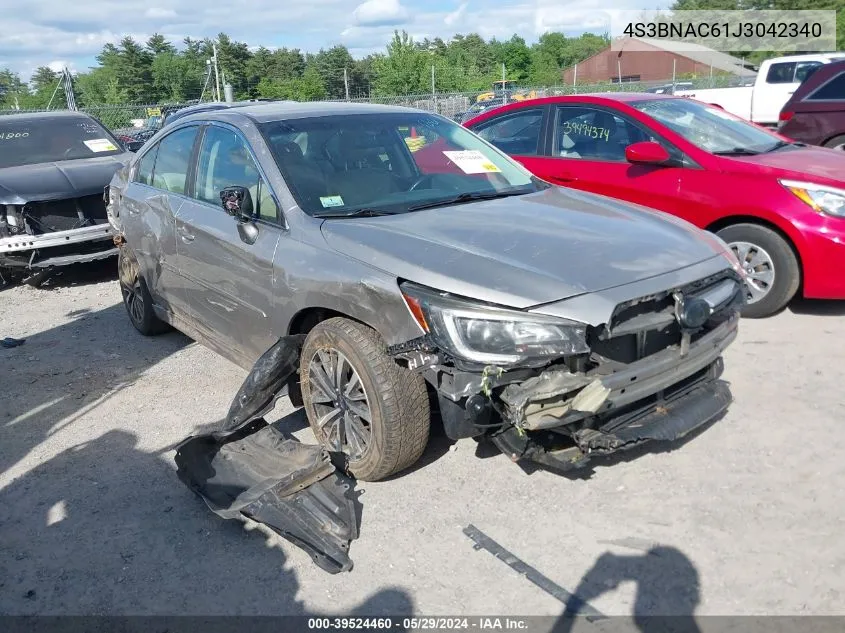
x=435, y=278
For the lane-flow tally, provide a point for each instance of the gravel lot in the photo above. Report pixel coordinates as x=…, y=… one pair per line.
x=745, y=518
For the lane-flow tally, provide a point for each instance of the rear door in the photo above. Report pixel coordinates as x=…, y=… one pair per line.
x=229, y=282
x=155, y=194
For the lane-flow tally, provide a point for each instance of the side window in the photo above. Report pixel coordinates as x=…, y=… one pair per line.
x=517, y=134
x=782, y=73
x=173, y=160
x=832, y=90
x=593, y=134
x=804, y=69
x=225, y=161
x=144, y=171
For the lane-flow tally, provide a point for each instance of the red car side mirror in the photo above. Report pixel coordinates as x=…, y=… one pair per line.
x=647, y=152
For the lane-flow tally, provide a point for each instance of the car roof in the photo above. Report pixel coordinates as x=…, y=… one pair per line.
x=48, y=114
x=280, y=110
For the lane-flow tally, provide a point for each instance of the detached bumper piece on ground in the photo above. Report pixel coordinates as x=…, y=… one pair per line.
x=251, y=471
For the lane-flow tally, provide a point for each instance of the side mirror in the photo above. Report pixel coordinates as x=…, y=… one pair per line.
x=237, y=202
x=134, y=146
x=647, y=153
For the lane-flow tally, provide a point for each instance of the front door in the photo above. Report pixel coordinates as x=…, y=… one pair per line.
x=229, y=281
x=587, y=151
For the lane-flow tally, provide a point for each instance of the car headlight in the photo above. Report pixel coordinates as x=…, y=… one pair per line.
x=490, y=335
x=821, y=198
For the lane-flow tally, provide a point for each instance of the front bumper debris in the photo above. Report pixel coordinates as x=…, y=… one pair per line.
x=252, y=472
x=58, y=248
x=666, y=418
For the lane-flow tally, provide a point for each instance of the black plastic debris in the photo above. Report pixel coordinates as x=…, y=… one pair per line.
x=252, y=471
x=9, y=342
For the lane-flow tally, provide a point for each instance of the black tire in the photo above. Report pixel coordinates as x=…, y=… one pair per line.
x=136, y=296
x=400, y=417
x=837, y=142
x=787, y=269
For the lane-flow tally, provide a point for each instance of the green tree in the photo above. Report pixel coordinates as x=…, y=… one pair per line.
x=403, y=69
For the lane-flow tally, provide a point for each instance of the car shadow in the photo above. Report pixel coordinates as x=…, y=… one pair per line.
x=58, y=374
x=105, y=528
x=81, y=274
x=817, y=307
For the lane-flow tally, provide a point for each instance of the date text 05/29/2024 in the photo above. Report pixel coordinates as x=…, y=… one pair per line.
x=419, y=624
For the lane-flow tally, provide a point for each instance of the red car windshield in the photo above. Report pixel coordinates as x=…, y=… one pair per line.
x=710, y=128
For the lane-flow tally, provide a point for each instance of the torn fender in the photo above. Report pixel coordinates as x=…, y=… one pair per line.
x=252, y=471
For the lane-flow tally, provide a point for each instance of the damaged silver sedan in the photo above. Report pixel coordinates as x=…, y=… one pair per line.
x=432, y=276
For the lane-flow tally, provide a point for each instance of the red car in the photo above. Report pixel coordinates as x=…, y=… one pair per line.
x=779, y=205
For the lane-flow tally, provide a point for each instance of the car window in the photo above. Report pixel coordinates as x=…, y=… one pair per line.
x=517, y=134
x=29, y=140
x=173, y=160
x=803, y=70
x=388, y=162
x=832, y=90
x=593, y=134
x=225, y=161
x=144, y=171
x=709, y=128
x=782, y=73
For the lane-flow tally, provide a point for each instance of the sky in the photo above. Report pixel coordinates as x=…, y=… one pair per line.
x=70, y=33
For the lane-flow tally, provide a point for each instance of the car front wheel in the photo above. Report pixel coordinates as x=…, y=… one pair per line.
x=772, y=269
x=360, y=402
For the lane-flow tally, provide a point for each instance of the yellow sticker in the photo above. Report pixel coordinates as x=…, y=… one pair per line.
x=472, y=161
x=100, y=145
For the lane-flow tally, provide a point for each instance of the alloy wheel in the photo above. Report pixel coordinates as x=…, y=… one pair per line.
x=134, y=300
x=759, y=268
x=343, y=411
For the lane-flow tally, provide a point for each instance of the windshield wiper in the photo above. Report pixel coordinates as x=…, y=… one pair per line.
x=466, y=197
x=354, y=213
x=737, y=151
x=781, y=145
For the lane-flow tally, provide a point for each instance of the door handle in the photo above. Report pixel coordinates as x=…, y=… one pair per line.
x=563, y=178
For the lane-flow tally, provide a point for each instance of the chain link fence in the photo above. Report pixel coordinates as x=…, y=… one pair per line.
x=129, y=118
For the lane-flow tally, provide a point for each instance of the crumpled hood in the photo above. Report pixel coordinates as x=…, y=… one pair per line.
x=526, y=250
x=53, y=181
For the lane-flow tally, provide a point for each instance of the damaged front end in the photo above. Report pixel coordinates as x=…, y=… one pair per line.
x=40, y=234
x=253, y=472
x=559, y=392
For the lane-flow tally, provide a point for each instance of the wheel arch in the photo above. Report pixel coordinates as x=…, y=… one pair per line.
x=732, y=220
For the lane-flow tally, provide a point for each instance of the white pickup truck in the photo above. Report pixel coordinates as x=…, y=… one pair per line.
x=776, y=80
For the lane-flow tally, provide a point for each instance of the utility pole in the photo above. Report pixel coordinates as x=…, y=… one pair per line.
x=216, y=69
x=346, y=82
x=504, y=93
x=433, y=89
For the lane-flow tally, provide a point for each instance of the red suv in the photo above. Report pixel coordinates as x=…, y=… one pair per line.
x=815, y=114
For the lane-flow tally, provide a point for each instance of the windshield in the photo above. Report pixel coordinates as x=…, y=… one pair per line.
x=710, y=128
x=389, y=163
x=27, y=141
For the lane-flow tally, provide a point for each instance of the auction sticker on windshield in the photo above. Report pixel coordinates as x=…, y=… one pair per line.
x=331, y=201
x=472, y=161
x=100, y=145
